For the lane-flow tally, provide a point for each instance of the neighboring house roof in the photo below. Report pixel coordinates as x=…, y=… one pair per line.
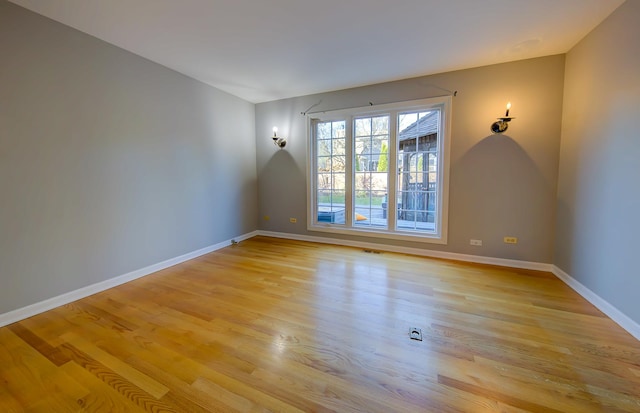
x=426, y=125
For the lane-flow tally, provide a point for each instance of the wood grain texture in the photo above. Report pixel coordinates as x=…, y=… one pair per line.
x=272, y=325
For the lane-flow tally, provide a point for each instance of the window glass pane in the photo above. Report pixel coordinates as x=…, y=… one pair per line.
x=338, y=163
x=324, y=130
x=377, y=142
x=324, y=147
x=413, y=162
x=331, y=172
x=323, y=197
x=380, y=125
x=378, y=181
x=363, y=127
x=337, y=199
x=337, y=147
x=362, y=198
x=407, y=145
x=338, y=129
x=370, y=181
x=417, y=162
x=383, y=158
x=324, y=181
x=338, y=182
x=363, y=145
x=370, y=209
x=331, y=209
x=323, y=163
x=362, y=181
x=405, y=121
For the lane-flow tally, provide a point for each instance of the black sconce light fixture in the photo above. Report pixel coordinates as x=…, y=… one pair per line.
x=503, y=123
x=277, y=140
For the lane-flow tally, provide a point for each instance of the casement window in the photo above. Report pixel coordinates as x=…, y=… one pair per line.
x=381, y=171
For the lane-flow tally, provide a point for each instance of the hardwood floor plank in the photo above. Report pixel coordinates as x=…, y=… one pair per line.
x=240, y=397
x=116, y=365
x=101, y=397
x=8, y=403
x=116, y=321
x=618, y=399
x=279, y=325
x=53, y=354
x=183, y=396
x=505, y=398
x=121, y=385
x=31, y=380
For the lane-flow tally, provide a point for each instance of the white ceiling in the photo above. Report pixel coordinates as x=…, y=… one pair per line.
x=263, y=50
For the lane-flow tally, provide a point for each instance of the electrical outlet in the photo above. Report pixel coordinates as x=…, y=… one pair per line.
x=266, y=217
x=510, y=240
x=476, y=242
x=293, y=220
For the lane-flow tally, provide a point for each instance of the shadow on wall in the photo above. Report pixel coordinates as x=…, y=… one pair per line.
x=280, y=163
x=285, y=187
x=505, y=194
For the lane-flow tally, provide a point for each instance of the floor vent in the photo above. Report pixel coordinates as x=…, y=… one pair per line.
x=415, y=334
x=371, y=252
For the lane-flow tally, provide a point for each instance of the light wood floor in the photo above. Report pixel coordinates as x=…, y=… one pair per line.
x=277, y=325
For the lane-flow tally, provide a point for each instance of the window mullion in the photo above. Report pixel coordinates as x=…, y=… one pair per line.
x=392, y=203
x=349, y=166
x=312, y=173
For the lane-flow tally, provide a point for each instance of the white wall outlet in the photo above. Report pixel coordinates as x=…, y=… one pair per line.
x=476, y=242
x=510, y=240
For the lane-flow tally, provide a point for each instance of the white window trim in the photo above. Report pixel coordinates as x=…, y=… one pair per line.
x=444, y=142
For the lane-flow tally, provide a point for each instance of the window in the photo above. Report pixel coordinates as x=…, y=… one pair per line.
x=381, y=171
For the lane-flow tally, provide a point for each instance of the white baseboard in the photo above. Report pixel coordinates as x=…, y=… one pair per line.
x=66, y=298
x=603, y=305
x=415, y=251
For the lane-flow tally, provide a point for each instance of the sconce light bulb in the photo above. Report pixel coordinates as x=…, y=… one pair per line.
x=279, y=141
x=503, y=123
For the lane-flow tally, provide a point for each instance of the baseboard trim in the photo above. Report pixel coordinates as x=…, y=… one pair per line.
x=66, y=298
x=414, y=251
x=603, y=305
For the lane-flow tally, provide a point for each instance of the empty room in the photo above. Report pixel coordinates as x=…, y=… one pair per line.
x=319, y=206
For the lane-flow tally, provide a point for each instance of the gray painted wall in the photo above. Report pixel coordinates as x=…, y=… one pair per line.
x=109, y=162
x=501, y=185
x=599, y=183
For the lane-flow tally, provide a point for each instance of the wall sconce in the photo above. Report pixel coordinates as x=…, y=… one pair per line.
x=278, y=141
x=503, y=123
